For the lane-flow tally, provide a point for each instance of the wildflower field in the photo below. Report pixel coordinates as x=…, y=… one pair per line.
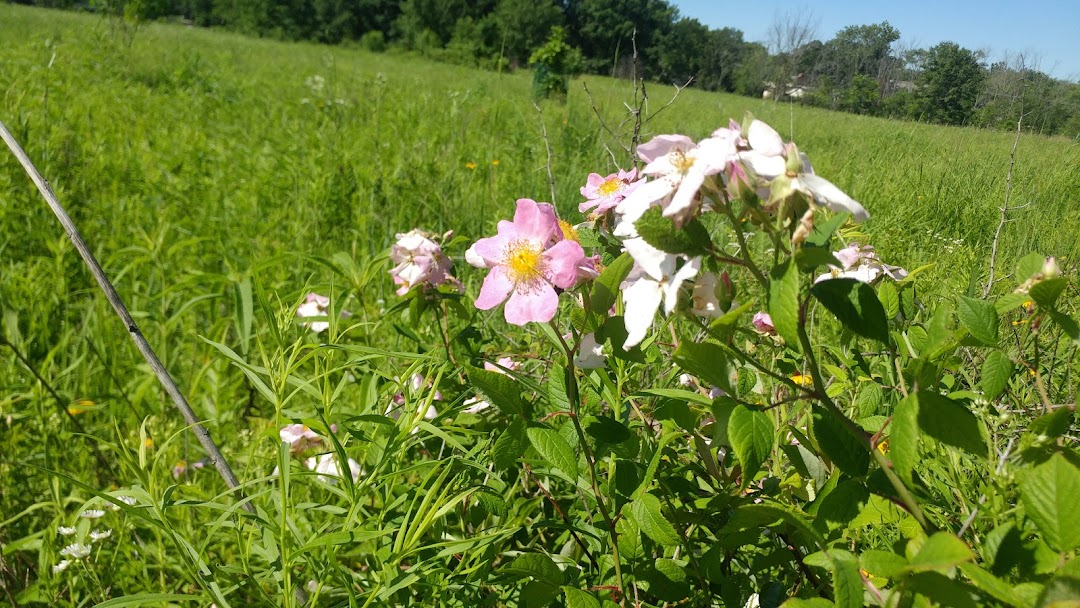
x=461, y=350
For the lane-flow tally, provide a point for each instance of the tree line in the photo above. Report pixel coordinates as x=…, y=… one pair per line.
x=862, y=69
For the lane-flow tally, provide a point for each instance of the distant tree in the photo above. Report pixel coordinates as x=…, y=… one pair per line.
x=950, y=83
x=523, y=26
x=604, y=30
x=861, y=95
x=788, y=38
x=725, y=51
x=680, y=52
x=749, y=76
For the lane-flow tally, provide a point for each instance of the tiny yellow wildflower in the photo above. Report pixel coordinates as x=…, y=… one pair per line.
x=80, y=406
x=803, y=379
x=495, y=163
x=470, y=165
x=148, y=442
x=883, y=446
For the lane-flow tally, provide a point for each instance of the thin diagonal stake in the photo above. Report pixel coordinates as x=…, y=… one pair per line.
x=118, y=305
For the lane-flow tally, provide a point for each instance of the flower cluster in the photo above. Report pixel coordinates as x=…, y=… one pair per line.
x=301, y=440
x=420, y=261
x=316, y=306
x=861, y=262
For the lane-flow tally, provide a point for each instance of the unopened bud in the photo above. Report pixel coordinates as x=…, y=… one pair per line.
x=1050, y=269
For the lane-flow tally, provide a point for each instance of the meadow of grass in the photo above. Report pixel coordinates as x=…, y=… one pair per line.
x=203, y=167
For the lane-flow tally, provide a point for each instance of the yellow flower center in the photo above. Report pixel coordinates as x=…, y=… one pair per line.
x=525, y=261
x=803, y=379
x=680, y=160
x=611, y=186
x=568, y=232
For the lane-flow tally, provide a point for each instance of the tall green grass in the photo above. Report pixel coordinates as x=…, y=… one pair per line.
x=200, y=164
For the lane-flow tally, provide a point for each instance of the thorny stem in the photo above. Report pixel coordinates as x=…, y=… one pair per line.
x=121, y=310
x=575, y=401
x=815, y=373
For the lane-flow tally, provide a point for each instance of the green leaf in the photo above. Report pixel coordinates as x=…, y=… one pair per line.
x=667, y=580
x=810, y=257
x=554, y=449
x=823, y=231
x=645, y=512
x=510, y=445
x=660, y=232
x=501, y=390
x=941, y=590
x=1046, y=292
x=847, y=451
x=942, y=550
x=629, y=539
x=605, y=287
x=1049, y=493
x=855, y=305
x=1010, y=301
x=538, y=594
x=904, y=438
x=992, y=585
x=996, y=371
x=145, y=599
x=784, y=303
x=885, y=564
x=767, y=515
x=608, y=430
x=939, y=339
x=1052, y=425
x=1060, y=592
x=847, y=582
x=751, y=434
x=576, y=598
x=950, y=423
x=1068, y=325
x=841, y=506
x=729, y=319
x=536, y=565
x=705, y=360
x=890, y=299
x=979, y=318
x=1028, y=266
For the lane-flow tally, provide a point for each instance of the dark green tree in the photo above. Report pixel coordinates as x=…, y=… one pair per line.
x=950, y=83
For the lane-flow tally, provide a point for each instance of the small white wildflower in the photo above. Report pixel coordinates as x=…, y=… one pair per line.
x=92, y=513
x=58, y=568
x=98, y=535
x=76, y=551
x=127, y=500
x=66, y=530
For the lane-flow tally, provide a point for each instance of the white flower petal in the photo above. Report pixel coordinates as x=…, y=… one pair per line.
x=642, y=299
x=764, y=139
x=827, y=194
x=591, y=355
x=657, y=264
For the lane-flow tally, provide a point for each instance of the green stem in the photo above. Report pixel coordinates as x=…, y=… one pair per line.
x=573, y=395
x=819, y=386
x=743, y=251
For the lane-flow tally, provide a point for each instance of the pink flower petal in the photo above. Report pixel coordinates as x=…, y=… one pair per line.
x=489, y=251
x=534, y=221
x=495, y=289
x=538, y=305
x=661, y=145
x=562, y=261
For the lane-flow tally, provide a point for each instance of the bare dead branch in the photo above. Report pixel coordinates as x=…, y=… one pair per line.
x=547, y=146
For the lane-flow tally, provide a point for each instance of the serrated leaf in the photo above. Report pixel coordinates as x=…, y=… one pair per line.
x=950, y=423
x=751, y=433
x=942, y=590
x=855, y=305
x=536, y=565
x=510, y=445
x=605, y=287
x=645, y=512
x=538, y=594
x=1045, y=293
x=847, y=451
x=705, y=360
x=554, y=449
x=940, y=551
x=766, y=515
x=1028, y=266
x=904, y=438
x=979, y=318
x=992, y=585
x=576, y=598
x=784, y=303
x=1052, y=425
x=1010, y=301
x=847, y=582
x=629, y=538
x=491, y=502
x=996, y=371
x=731, y=317
x=840, y=507
x=1049, y=493
x=890, y=299
x=660, y=232
x=938, y=337
x=500, y=390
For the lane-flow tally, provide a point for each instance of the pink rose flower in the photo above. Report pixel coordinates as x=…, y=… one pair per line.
x=763, y=323
x=525, y=267
x=606, y=192
x=420, y=261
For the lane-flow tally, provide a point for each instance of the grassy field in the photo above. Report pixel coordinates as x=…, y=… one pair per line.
x=199, y=164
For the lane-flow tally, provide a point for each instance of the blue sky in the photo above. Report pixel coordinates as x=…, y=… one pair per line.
x=1049, y=29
